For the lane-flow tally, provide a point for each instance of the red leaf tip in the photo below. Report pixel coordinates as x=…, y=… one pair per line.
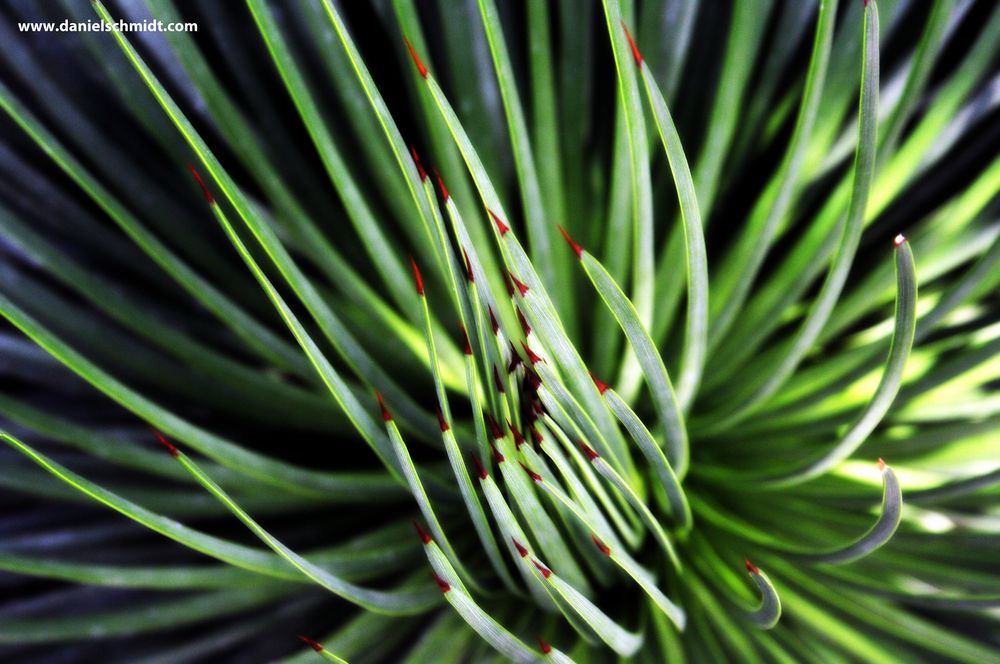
x=209, y=198
x=546, y=648
x=469, y=273
x=442, y=584
x=416, y=58
x=417, y=277
x=518, y=438
x=600, y=545
x=515, y=359
x=753, y=569
x=497, y=454
x=572, y=243
x=312, y=644
x=466, y=347
x=521, y=286
x=495, y=431
x=525, y=327
x=424, y=537
x=498, y=381
x=533, y=357
x=479, y=467
x=899, y=240
x=631, y=42
x=501, y=227
x=386, y=415
x=602, y=387
x=589, y=451
x=443, y=423
x=535, y=477
x=444, y=189
x=546, y=572
x=881, y=464
x=494, y=323
x=171, y=448
x=520, y=547
x=418, y=164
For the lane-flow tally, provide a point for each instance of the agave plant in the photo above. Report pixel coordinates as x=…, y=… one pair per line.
x=315, y=250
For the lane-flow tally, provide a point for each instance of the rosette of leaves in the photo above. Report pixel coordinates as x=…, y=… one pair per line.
x=315, y=249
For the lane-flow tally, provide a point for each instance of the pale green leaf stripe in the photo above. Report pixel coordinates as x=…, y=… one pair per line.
x=631, y=527
x=255, y=335
x=371, y=232
x=540, y=310
x=392, y=135
x=259, y=389
x=493, y=632
x=163, y=615
x=679, y=506
x=731, y=286
x=361, y=557
x=268, y=470
x=768, y=613
x=412, y=478
x=864, y=170
x=581, y=494
x=880, y=532
x=510, y=528
x=615, y=636
x=360, y=417
x=888, y=387
x=334, y=330
x=650, y=360
x=234, y=554
x=956, y=488
x=539, y=238
x=607, y=472
x=549, y=539
x=245, y=142
x=618, y=554
x=692, y=360
x=643, y=269
x=469, y=497
x=401, y=602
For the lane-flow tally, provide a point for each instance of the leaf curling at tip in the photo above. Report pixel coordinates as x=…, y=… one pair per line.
x=768, y=613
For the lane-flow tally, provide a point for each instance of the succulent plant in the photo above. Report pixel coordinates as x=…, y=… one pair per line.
x=314, y=252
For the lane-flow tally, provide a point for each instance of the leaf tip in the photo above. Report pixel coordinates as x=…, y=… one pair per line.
x=589, y=451
x=521, y=550
x=602, y=547
x=442, y=423
x=315, y=645
x=602, y=387
x=386, y=415
x=521, y=286
x=546, y=648
x=753, y=569
x=577, y=249
x=416, y=58
x=421, y=533
x=502, y=228
x=480, y=470
x=209, y=198
x=444, y=189
x=171, y=448
x=631, y=42
x=442, y=584
x=418, y=279
x=546, y=572
x=899, y=240
x=416, y=161
x=535, y=477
